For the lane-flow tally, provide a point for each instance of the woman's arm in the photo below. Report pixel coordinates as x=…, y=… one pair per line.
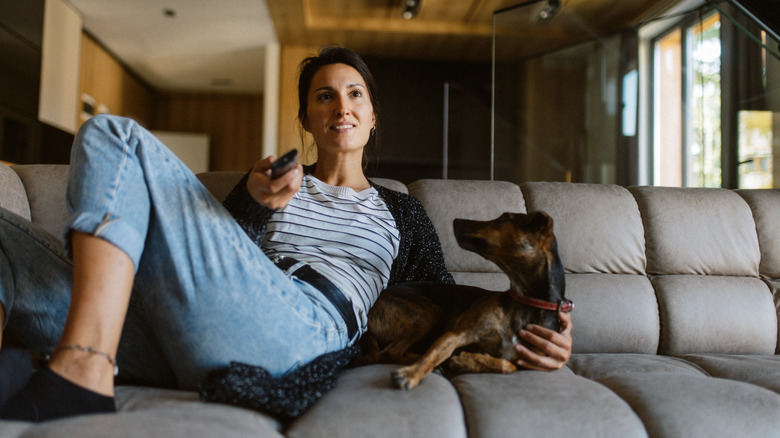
x=251, y=200
x=273, y=193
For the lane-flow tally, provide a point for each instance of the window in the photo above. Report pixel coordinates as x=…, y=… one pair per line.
x=715, y=118
x=687, y=103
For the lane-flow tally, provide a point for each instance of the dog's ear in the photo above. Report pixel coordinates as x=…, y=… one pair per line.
x=539, y=220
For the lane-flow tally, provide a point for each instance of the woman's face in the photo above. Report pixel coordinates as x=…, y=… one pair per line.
x=339, y=113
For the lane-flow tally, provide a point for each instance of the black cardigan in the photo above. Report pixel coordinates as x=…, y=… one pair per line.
x=419, y=258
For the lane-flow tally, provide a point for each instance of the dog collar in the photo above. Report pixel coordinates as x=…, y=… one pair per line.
x=565, y=306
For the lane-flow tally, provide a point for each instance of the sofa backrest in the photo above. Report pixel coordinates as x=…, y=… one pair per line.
x=651, y=269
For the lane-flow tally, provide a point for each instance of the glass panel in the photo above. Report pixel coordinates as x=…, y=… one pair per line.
x=758, y=108
x=557, y=103
x=667, y=145
x=703, y=148
x=690, y=97
x=756, y=133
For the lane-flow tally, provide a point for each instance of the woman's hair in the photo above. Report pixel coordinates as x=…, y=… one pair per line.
x=334, y=55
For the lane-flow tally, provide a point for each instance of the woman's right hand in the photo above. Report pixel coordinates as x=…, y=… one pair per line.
x=273, y=193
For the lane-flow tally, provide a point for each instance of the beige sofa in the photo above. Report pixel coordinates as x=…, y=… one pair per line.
x=675, y=335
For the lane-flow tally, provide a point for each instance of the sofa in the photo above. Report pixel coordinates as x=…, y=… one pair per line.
x=675, y=325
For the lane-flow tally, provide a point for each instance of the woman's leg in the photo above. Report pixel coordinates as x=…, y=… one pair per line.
x=35, y=281
x=102, y=281
x=208, y=293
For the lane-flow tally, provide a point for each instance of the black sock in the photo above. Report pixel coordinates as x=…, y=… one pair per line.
x=15, y=371
x=48, y=396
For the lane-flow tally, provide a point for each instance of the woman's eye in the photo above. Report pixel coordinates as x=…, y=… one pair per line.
x=324, y=96
x=357, y=93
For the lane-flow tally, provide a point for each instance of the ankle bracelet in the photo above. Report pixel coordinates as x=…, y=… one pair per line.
x=91, y=350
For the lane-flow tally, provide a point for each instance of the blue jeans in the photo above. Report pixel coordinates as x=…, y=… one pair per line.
x=204, y=293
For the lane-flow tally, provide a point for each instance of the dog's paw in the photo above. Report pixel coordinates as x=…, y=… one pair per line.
x=404, y=378
x=466, y=362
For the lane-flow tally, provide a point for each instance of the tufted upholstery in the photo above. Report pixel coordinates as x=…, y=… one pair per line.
x=675, y=327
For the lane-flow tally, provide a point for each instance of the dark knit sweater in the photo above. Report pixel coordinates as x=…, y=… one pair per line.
x=420, y=258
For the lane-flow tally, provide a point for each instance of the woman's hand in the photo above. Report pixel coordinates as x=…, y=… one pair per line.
x=554, y=348
x=273, y=193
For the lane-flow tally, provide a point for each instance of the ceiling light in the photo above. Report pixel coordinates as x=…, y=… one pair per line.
x=411, y=9
x=550, y=11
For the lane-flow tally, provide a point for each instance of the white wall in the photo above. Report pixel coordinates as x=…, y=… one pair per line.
x=191, y=148
x=271, y=100
x=60, y=66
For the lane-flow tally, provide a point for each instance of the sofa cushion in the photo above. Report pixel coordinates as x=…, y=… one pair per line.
x=613, y=313
x=391, y=184
x=774, y=286
x=698, y=231
x=12, y=194
x=158, y=412
x=765, y=205
x=759, y=370
x=601, y=366
x=220, y=183
x=532, y=403
x=45, y=185
x=715, y=314
x=678, y=405
x=445, y=200
x=364, y=403
x=598, y=227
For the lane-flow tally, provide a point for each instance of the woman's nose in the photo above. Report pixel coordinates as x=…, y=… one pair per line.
x=342, y=107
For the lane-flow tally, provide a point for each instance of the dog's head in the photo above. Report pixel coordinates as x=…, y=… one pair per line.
x=522, y=245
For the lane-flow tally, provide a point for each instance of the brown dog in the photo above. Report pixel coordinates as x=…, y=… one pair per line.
x=480, y=327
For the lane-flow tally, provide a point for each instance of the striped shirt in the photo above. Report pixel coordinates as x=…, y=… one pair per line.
x=347, y=236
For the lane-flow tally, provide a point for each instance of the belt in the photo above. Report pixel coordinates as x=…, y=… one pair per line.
x=329, y=290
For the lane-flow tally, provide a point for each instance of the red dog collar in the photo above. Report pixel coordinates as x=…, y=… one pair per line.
x=565, y=306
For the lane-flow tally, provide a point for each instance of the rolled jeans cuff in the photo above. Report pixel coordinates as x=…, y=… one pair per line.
x=110, y=228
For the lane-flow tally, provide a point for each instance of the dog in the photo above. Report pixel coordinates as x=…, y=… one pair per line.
x=473, y=330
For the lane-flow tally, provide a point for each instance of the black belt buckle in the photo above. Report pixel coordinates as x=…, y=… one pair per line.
x=326, y=287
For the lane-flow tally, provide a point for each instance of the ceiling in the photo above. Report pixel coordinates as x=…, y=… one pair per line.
x=219, y=45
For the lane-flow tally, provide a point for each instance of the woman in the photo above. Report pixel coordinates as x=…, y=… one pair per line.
x=169, y=284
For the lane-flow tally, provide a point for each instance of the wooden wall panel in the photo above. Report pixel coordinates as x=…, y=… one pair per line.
x=289, y=128
x=110, y=84
x=234, y=124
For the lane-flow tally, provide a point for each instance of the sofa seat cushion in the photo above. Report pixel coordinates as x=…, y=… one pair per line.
x=680, y=405
x=364, y=403
x=161, y=412
x=601, y=366
x=761, y=370
x=546, y=404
